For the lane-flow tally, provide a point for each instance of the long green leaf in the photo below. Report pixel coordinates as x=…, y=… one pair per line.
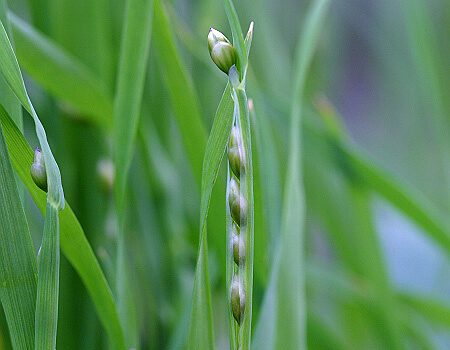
x=284, y=309
x=18, y=269
x=62, y=74
x=186, y=110
x=8, y=99
x=47, y=291
x=48, y=282
x=182, y=94
x=130, y=85
x=201, y=328
x=127, y=106
x=290, y=315
x=73, y=241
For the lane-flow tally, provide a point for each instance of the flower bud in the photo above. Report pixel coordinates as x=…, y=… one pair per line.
x=222, y=52
x=236, y=152
x=237, y=299
x=214, y=36
x=38, y=172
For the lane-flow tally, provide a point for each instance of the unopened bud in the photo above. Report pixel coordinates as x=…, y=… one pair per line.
x=236, y=152
x=237, y=299
x=222, y=52
x=38, y=172
x=215, y=36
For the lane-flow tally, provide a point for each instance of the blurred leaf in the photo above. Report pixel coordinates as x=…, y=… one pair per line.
x=283, y=312
x=73, y=242
x=431, y=309
x=62, y=74
x=18, y=268
x=182, y=92
x=358, y=165
x=186, y=111
x=130, y=84
x=134, y=53
x=404, y=197
x=201, y=327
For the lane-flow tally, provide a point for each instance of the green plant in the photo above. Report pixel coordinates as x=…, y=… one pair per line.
x=325, y=226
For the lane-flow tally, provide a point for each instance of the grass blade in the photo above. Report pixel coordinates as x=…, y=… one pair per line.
x=73, y=241
x=11, y=73
x=290, y=315
x=62, y=74
x=18, y=268
x=186, y=110
x=183, y=97
x=201, y=327
x=284, y=307
x=130, y=84
x=48, y=285
x=8, y=100
x=48, y=282
x=127, y=106
x=238, y=37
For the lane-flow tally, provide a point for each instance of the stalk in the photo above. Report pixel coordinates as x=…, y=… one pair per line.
x=239, y=196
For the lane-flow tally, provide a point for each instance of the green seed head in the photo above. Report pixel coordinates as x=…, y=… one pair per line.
x=238, y=210
x=238, y=204
x=236, y=152
x=237, y=299
x=222, y=52
x=238, y=249
x=38, y=172
x=234, y=190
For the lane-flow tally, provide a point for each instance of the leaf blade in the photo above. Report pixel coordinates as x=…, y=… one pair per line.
x=62, y=74
x=18, y=267
x=201, y=329
x=73, y=241
x=48, y=282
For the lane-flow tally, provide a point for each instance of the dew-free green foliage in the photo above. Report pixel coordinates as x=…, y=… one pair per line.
x=46, y=313
x=73, y=241
x=349, y=117
x=17, y=275
x=133, y=59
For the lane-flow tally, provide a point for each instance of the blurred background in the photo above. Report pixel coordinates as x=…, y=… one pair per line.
x=376, y=275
